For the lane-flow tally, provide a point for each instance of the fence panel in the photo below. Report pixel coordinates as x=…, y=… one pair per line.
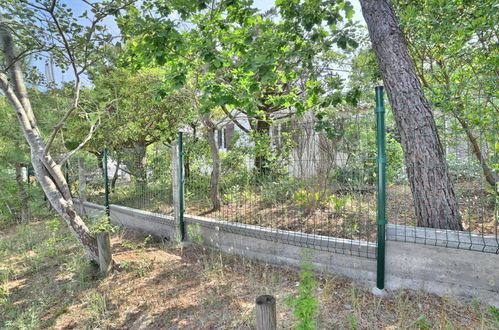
x=307, y=177
x=142, y=179
x=467, y=128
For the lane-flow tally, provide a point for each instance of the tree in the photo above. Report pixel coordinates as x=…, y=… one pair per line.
x=453, y=47
x=50, y=27
x=240, y=61
x=133, y=115
x=434, y=197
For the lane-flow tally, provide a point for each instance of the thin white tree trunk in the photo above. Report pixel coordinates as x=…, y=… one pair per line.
x=48, y=173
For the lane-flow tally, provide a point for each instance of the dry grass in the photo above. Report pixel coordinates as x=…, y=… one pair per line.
x=45, y=283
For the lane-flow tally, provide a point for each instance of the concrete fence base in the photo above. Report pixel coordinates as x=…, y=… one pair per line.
x=434, y=269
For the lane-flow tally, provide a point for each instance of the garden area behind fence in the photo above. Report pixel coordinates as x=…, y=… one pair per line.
x=319, y=177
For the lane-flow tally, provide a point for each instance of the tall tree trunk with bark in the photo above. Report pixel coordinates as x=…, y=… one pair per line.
x=23, y=194
x=47, y=171
x=434, y=197
x=215, y=156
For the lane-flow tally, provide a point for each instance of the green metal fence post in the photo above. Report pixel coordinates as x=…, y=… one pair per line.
x=181, y=185
x=106, y=186
x=381, y=196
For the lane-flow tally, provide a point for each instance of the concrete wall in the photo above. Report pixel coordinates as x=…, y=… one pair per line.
x=148, y=223
x=432, y=268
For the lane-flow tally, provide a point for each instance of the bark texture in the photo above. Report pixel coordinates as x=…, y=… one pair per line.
x=48, y=173
x=433, y=192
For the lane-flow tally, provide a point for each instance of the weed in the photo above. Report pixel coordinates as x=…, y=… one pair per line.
x=494, y=312
x=84, y=270
x=421, y=322
x=352, y=322
x=26, y=238
x=126, y=264
x=144, y=266
x=475, y=304
x=194, y=234
x=304, y=304
x=130, y=245
x=101, y=224
x=97, y=308
x=26, y=321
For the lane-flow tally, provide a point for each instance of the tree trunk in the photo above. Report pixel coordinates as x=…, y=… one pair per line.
x=262, y=129
x=215, y=156
x=23, y=194
x=490, y=176
x=434, y=198
x=48, y=173
x=140, y=166
x=115, y=175
x=100, y=162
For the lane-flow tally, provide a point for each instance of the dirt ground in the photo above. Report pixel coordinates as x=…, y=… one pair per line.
x=45, y=282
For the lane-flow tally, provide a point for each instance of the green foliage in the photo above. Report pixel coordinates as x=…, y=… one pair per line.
x=312, y=201
x=97, y=305
x=241, y=59
x=278, y=192
x=101, y=224
x=454, y=44
x=421, y=322
x=304, y=304
x=352, y=322
x=194, y=234
x=494, y=312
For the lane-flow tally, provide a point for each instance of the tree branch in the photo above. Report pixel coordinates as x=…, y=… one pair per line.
x=234, y=120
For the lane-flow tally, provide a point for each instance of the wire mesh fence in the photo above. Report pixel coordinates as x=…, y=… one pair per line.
x=139, y=179
x=313, y=183
x=94, y=178
x=306, y=177
x=467, y=128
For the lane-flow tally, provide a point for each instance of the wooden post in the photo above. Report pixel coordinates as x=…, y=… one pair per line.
x=105, y=255
x=266, y=313
x=82, y=184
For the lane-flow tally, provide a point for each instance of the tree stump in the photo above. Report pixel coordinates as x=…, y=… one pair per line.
x=266, y=313
x=105, y=255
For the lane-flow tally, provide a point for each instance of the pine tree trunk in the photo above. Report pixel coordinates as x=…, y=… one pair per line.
x=434, y=198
